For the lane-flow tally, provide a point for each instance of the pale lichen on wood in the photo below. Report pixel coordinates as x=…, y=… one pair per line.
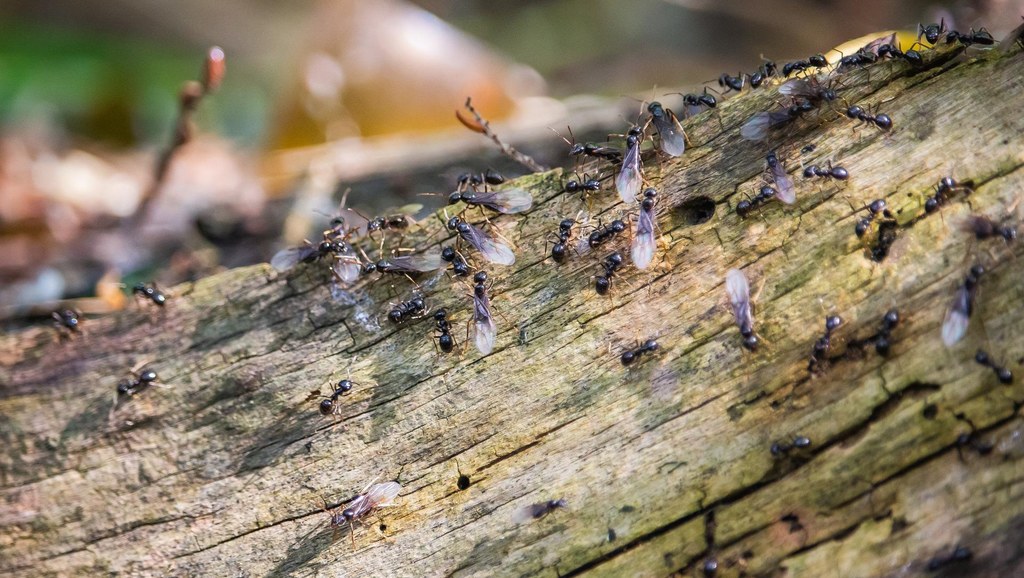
x=225, y=470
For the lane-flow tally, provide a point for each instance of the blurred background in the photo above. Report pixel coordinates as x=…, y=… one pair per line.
x=326, y=96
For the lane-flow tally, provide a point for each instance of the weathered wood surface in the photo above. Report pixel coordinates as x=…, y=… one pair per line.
x=223, y=471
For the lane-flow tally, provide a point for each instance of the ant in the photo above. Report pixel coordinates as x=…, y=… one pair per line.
x=829, y=172
x=407, y=310
x=764, y=72
x=538, y=510
x=564, y=233
x=699, y=100
x=1005, y=375
x=329, y=405
x=150, y=292
x=602, y=283
x=460, y=268
x=590, y=149
x=946, y=186
x=985, y=228
x=982, y=37
x=857, y=112
x=960, y=554
x=490, y=177
x=66, y=321
x=874, y=209
x=604, y=233
x=632, y=355
x=824, y=343
x=882, y=338
x=932, y=32
x=954, y=326
x=744, y=207
x=782, y=448
x=136, y=383
x=445, y=341
x=583, y=185
x=731, y=82
x=893, y=51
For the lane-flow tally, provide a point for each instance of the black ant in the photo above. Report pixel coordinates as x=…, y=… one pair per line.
x=932, y=32
x=985, y=228
x=893, y=51
x=443, y=330
x=764, y=72
x=136, y=383
x=591, y=150
x=632, y=355
x=874, y=209
x=959, y=554
x=782, y=448
x=828, y=172
x=946, y=186
x=699, y=100
x=329, y=405
x=1005, y=375
x=67, y=321
x=460, y=268
x=150, y=292
x=583, y=185
x=731, y=82
x=604, y=233
x=564, y=234
x=407, y=310
x=490, y=177
x=882, y=339
x=602, y=283
x=857, y=112
x=824, y=343
x=744, y=207
x=862, y=57
x=982, y=37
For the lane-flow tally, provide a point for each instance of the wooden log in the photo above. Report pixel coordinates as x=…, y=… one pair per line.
x=664, y=465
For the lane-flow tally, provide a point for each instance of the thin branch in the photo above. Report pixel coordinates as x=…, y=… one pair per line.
x=483, y=127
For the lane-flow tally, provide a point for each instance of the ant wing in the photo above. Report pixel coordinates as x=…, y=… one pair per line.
x=382, y=494
x=673, y=143
x=530, y=512
x=629, y=178
x=484, y=328
x=643, y=246
x=419, y=263
x=738, y=289
x=797, y=87
x=492, y=250
x=506, y=201
x=756, y=128
x=954, y=326
x=289, y=257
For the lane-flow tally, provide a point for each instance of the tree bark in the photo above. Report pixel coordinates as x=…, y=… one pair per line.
x=664, y=464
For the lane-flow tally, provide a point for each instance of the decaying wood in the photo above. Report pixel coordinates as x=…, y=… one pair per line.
x=225, y=470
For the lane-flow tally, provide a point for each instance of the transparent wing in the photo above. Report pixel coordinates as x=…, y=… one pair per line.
x=786, y=191
x=492, y=250
x=954, y=327
x=353, y=223
x=738, y=289
x=382, y=494
x=756, y=129
x=346, y=268
x=797, y=87
x=287, y=258
x=530, y=512
x=419, y=263
x=630, y=179
x=507, y=201
x=643, y=245
x=673, y=143
x=484, y=328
